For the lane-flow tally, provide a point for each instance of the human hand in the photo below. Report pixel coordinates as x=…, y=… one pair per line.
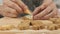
x=11, y=8
x=47, y=10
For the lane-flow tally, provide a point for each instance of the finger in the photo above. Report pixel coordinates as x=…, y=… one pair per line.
x=13, y=5
x=9, y=12
x=20, y=3
x=51, y=15
x=42, y=7
x=36, y=11
x=44, y=12
x=46, y=1
x=23, y=6
x=12, y=13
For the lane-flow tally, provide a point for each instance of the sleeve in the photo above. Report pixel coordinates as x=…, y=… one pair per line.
x=57, y=2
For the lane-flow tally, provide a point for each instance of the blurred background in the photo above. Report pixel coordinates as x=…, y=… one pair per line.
x=56, y=1
x=1, y=1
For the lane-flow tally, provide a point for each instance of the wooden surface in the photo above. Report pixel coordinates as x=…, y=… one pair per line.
x=16, y=21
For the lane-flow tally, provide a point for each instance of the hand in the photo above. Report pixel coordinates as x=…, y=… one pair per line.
x=11, y=8
x=47, y=10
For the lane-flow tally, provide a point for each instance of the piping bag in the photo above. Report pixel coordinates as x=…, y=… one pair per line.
x=29, y=12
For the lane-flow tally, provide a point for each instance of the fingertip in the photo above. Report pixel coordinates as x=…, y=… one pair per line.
x=36, y=18
x=35, y=11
